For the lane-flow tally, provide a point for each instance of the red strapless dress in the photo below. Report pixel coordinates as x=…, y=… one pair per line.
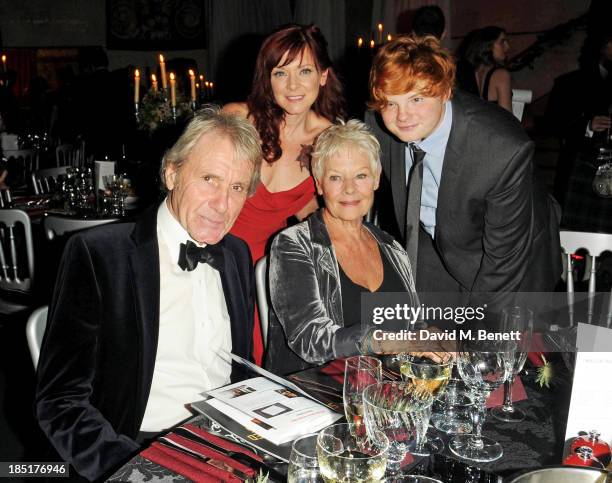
x=263, y=215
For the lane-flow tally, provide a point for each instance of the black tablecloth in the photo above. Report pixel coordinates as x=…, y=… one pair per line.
x=535, y=442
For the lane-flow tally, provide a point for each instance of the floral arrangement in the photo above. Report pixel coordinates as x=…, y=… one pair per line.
x=155, y=110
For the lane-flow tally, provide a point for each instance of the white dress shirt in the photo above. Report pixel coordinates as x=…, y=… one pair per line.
x=194, y=331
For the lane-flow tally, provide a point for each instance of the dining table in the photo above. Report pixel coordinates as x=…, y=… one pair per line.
x=533, y=443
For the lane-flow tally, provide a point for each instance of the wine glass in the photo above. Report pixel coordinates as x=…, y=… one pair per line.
x=387, y=410
x=303, y=462
x=427, y=380
x=482, y=372
x=347, y=458
x=359, y=373
x=520, y=321
x=451, y=411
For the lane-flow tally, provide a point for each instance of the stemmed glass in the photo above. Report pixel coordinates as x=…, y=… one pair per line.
x=482, y=372
x=451, y=409
x=426, y=380
x=520, y=321
x=347, y=458
x=303, y=462
x=359, y=373
x=387, y=410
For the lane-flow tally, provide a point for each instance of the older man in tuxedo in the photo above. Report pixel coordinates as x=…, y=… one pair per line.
x=144, y=314
x=458, y=179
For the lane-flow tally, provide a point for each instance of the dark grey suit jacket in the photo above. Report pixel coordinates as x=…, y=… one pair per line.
x=496, y=229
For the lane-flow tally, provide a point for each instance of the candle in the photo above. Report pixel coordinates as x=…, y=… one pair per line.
x=193, y=86
x=206, y=89
x=389, y=38
x=172, y=90
x=162, y=71
x=201, y=83
x=380, y=33
x=212, y=89
x=4, y=62
x=136, y=86
x=372, y=44
x=153, y=82
x=359, y=42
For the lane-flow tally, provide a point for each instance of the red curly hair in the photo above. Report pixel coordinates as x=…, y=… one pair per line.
x=407, y=63
x=267, y=115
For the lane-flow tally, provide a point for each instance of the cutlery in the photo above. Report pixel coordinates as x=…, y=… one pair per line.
x=236, y=455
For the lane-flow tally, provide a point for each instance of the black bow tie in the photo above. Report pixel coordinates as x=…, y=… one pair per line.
x=191, y=254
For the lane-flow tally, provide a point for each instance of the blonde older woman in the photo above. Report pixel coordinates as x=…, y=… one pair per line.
x=320, y=267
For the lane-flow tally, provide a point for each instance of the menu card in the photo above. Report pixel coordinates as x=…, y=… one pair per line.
x=591, y=390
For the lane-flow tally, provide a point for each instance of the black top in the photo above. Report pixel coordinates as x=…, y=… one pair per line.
x=351, y=292
x=485, y=87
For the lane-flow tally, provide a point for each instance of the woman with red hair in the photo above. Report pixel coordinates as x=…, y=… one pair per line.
x=295, y=96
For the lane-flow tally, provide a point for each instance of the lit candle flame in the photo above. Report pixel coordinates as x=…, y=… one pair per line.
x=389, y=38
x=359, y=42
x=372, y=44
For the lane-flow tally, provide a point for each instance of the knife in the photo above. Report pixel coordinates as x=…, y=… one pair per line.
x=206, y=459
x=243, y=458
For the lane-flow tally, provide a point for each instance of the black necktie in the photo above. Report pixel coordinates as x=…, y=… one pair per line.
x=191, y=254
x=413, y=206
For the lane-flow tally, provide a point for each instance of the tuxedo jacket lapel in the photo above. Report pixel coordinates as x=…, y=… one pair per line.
x=144, y=264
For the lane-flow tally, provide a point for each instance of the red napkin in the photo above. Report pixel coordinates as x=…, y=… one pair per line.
x=335, y=370
x=223, y=443
x=185, y=465
x=496, y=398
x=538, y=349
x=207, y=452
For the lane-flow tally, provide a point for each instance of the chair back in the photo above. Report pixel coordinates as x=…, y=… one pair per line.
x=41, y=178
x=54, y=226
x=261, y=285
x=16, y=267
x=66, y=155
x=35, y=330
x=595, y=244
x=520, y=97
x=21, y=163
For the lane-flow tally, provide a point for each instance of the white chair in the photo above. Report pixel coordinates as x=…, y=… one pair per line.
x=41, y=178
x=16, y=264
x=261, y=285
x=595, y=244
x=59, y=225
x=66, y=155
x=520, y=97
x=22, y=162
x=35, y=330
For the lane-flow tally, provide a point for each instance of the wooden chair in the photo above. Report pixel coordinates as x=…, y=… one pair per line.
x=21, y=163
x=16, y=260
x=595, y=244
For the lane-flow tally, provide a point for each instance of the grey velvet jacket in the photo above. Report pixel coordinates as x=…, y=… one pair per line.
x=306, y=326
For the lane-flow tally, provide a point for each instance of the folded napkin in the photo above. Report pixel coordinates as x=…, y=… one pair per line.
x=207, y=452
x=184, y=465
x=496, y=398
x=223, y=443
x=335, y=370
x=538, y=349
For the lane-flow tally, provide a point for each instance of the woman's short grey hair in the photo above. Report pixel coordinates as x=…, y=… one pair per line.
x=352, y=134
x=210, y=119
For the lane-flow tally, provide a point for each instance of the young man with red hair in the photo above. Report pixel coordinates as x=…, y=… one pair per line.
x=458, y=176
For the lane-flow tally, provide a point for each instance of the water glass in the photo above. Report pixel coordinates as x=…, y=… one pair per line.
x=303, y=462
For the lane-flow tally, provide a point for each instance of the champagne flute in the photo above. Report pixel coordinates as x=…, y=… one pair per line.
x=427, y=380
x=482, y=372
x=303, y=462
x=347, y=458
x=359, y=373
x=518, y=320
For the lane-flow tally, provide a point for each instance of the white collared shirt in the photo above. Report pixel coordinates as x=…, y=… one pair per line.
x=194, y=331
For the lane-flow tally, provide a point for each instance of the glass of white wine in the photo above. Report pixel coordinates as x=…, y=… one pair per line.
x=359, y=373
x=303, y=462
x=347, y=458
x=426, y=381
